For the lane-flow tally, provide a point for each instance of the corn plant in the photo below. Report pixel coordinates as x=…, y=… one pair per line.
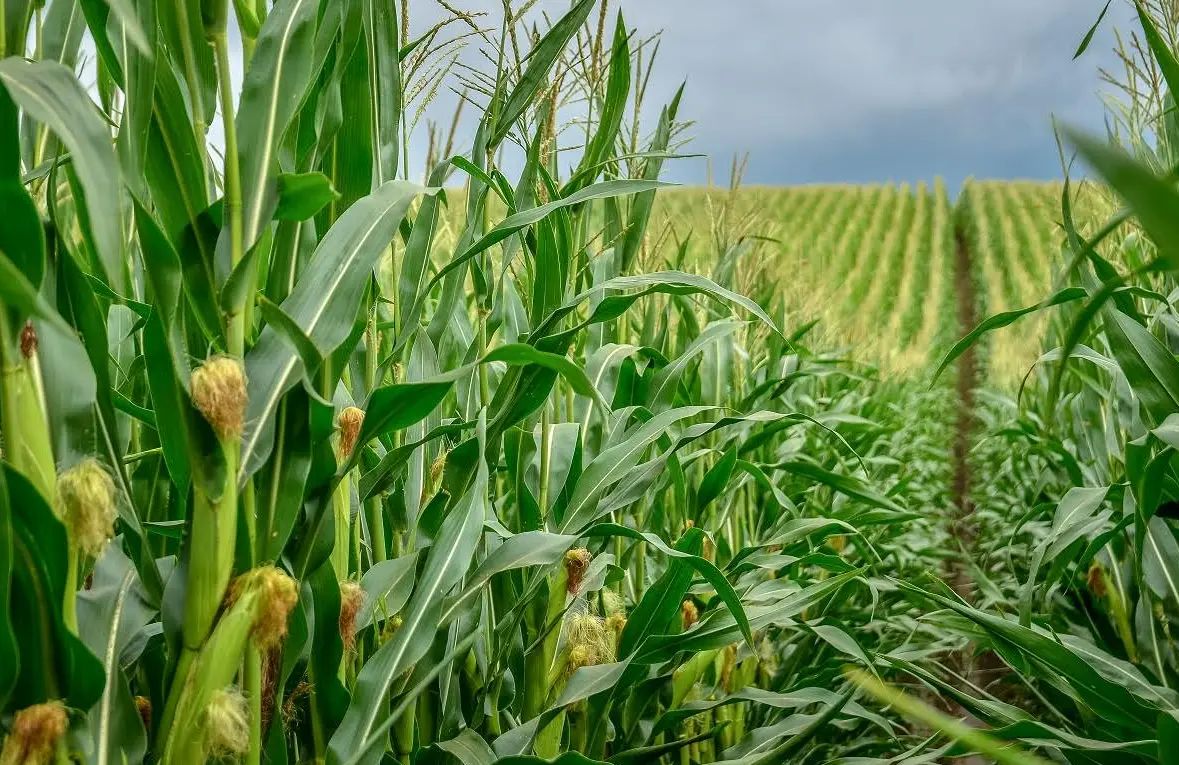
x=1080, y=604
x=290, y=475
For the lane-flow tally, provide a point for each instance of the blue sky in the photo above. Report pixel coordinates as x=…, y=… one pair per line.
x=821, y=91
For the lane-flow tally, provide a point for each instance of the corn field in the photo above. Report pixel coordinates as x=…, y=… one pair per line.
x=319, y=448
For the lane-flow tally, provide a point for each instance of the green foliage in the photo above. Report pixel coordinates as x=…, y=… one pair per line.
x=423, y=474
x=524, y=472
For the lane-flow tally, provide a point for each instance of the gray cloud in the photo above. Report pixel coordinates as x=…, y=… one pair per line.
x=859, y=90
x=862, y=90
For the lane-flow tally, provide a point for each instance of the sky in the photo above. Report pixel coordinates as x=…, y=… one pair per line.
x=877, y=90
x=832, y=91
x=851, y=91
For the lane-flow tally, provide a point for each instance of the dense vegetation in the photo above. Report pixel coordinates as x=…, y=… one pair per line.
x=306, y=462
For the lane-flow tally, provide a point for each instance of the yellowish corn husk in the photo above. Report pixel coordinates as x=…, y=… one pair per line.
x=259, y=605
x=27, y=446
x=211, y=550
x=219, y=392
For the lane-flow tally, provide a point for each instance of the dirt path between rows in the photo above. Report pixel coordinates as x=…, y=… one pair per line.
x=976, y=670
x=963, y=525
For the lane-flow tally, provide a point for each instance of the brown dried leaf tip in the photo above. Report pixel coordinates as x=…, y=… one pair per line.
x=86, y=502
x=351, y=601
x=577, y=563
x=219, y=393
x=349, y=423
x=28, y=340
x=689, y=613
x=36, y=731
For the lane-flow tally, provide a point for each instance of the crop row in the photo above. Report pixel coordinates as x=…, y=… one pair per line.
x=874, y=265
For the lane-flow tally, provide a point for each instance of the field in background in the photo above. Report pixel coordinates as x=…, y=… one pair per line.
x=874, y=264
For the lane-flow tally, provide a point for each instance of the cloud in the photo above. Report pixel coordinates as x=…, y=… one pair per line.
x=855, y=90
x=872, y=90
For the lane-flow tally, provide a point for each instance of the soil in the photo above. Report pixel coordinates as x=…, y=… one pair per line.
x=982, y=670
x=963, y=526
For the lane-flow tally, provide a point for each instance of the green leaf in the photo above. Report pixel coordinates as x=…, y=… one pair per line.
x=468, y=747
x=585, y=683
x=521, y=220
x=844, y=484
x=1111, y=700
x=704, y=568
x=613, y=109
x=957, y=730
x=110, y=613
x=22, y=238
x=191, y=449
x=78, y=384
x=665, y=384
x=568, y=758
x=54, y=664
x=387, y=587
x=659, y=610
x=1088, y=38
x=123, y=27
x=719, y=628
x=381, y=31
x=50, y=93
x=324, y=305
x=173, y=162
x=290, y=331
x=667, y=282
x=540, y=61
x=9, y=648
x=1163, y=53
x=1168, y=734
x=446, y=563
x=1000, y=320
x=1154, y=200
x=272, y=90
x=416, y=258
x=1160, y=560
x=395, y=407
x=139, y=83
x=640, y=211
x=716, y=480
x=793, y=699
x=613, y=464
x=302, y=195
x=529, y=548
x=1150, y=368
